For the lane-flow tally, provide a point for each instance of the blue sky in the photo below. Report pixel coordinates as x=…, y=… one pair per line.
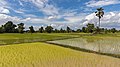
x=60, y=13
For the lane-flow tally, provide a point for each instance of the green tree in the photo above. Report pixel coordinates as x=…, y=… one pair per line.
x=90, y=28
x=78, y=30
x=21, y=27
x=61, y=30
x=113, y=30
x=2, y=30
x=84, y=29
x=56, y=31
x=9, y=27
x=49, y=29
x=31, y=29
x=41, y=30
x=106, y=31
x=68, y=29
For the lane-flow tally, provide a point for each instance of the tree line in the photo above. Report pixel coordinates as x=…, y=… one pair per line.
x=10, y=27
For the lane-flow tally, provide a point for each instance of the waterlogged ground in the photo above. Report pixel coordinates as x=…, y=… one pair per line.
x=100, y=44
x=48, y=55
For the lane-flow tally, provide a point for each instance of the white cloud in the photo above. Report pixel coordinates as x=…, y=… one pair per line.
x=3, y=3
x=5, y=11
x=44, y=6
x=18, y=11
x=4, y=18
x=20, y=3
x=101, y=3
x=110, y=19
x=3, y=7
x=51, y=17
x=74, y=19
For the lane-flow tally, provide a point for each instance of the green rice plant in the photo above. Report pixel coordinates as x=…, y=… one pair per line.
x=48, y=55
x=36, y=37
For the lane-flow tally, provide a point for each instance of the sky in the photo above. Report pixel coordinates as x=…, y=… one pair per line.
x=60, y=13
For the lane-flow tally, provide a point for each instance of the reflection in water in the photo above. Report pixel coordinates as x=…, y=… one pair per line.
x=104, y=46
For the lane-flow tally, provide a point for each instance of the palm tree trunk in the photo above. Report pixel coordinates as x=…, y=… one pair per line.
x=99, y=22
x=99, y=26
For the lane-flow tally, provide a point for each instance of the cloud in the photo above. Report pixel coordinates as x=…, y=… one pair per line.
x=3, y=7
x=20, y=3
x=3, y=3
x=4, y=18
x=110, y=19
x=65, y=15
x=4, y=10
x=74, y=19
x=51, y=17
x=18, y=11
x=101, y=3
x=44, y=6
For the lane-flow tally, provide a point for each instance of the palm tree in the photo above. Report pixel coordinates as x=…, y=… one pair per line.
x=99, y=13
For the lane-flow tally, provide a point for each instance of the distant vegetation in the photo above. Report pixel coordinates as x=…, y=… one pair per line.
x=10, y=27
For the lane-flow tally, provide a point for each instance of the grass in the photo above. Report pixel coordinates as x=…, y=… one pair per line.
x=36, y=37
x=48, y=55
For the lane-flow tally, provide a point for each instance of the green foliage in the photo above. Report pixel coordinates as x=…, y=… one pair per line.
x=99, y=13
x=113, y=30
x=106, y=31
x=90, y=28
x=21, y=28
x=68, y=29
x=56, y=31
x=31, y=29
x=9, y=27
x=78, y=30
x=62, y=31
x=84, y=29
x=49, y=29
x=41, y=30
x=2, y=29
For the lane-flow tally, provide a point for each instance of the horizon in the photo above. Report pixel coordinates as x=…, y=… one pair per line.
x=60, y=13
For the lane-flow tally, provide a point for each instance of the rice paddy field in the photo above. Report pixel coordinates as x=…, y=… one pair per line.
x=12, y=38
x=103, y=44
x=33, y=50
x=47, y=55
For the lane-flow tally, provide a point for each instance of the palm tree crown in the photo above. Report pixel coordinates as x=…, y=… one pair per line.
x=99, y=13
